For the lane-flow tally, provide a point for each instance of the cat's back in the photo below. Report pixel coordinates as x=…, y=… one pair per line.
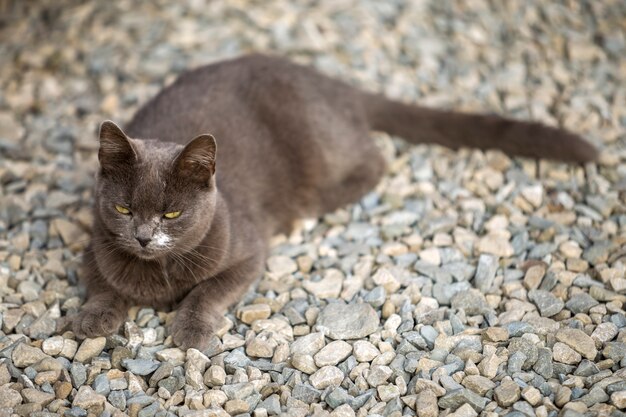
x=221, y=98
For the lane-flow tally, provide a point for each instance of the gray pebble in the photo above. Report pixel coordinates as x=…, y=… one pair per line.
x=306, y=393
x=78, y=373
x=348, y=321
x=546, y=302
x=271, y=404
x=485, y=272
x=101, y=385
x=580, y=303
x=140, y=366
x=376, y=297
x=454, y=399
x=527, y=348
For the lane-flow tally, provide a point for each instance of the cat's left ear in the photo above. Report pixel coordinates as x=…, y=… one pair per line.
x=197, y=160
x=116, y=150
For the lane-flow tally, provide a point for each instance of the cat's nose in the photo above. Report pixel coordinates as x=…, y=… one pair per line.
x=143, y=241
x=143, y=234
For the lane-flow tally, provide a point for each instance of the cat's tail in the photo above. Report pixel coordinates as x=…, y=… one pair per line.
x=454, y=130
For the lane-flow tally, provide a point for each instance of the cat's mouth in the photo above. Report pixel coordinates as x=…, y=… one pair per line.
x=149, y=253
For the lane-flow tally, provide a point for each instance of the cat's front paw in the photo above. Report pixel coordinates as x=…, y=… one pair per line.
x=94, y=322
x=191, y=332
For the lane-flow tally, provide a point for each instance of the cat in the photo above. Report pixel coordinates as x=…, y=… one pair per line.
x=188, y=196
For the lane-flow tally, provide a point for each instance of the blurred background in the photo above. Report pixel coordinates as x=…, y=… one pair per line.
x=67, y=65
x=72, y=63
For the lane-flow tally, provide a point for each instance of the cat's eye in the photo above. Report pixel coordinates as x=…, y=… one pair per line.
x=122, y=209
x=172, y=214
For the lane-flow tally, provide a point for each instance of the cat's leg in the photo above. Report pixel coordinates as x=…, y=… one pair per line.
x=103, y=312
x=203, y=308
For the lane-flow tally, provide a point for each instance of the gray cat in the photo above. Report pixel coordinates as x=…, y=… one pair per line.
x=187, y=226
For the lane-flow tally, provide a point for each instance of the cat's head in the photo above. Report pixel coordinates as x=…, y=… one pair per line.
x=154, y=198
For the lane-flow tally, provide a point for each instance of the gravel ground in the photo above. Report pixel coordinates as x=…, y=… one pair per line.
x=467, y=283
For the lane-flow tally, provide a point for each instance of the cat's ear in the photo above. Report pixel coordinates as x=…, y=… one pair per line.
x=116, y=150
x=197, y=160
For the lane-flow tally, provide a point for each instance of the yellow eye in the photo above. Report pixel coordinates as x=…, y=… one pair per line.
x=172, y=214
x=122, y=209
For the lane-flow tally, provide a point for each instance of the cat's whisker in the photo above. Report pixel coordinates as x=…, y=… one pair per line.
x=165, y=276
x=186, y=258
x=202, y=256
x=185, y=266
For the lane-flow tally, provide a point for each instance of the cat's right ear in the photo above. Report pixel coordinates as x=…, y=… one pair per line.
x=197, y=159
x=116, y=150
